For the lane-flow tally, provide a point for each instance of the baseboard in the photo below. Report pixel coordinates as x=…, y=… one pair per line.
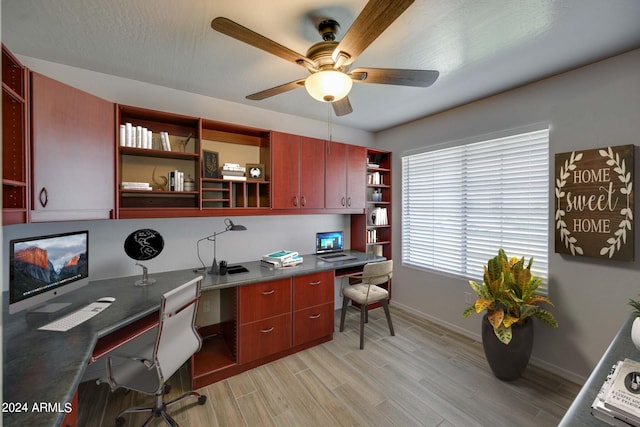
x=554, y=369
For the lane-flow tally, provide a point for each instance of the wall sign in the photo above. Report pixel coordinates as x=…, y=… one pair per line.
x=595, y=203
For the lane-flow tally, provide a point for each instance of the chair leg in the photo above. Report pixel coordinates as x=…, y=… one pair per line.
x=345, y=303
x=363, y=314
x=385, y=305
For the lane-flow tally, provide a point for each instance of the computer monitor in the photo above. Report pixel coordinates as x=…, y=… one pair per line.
x=43, y=267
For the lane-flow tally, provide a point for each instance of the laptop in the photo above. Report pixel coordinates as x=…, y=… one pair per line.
x=330, y=246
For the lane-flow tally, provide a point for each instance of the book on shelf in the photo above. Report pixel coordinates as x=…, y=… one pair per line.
x=135, y=136
x=129, y=185
x=378, y=216
x=176, y=180
x=234, y=178
x=375, y=178
x=618, y=401
x=166, y=142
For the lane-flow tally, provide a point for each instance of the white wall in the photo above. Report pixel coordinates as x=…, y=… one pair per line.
x=591, y=107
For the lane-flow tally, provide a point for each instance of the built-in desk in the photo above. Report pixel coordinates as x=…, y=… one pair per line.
x=42, y=367
x=579, y=413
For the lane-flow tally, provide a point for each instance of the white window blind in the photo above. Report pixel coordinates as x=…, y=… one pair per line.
x=461, y=204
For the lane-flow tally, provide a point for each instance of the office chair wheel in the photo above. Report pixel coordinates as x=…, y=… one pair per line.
x=202, y=400
x=120, y=421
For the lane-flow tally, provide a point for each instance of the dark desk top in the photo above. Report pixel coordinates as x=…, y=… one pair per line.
x=46, y=367
x=579, y=413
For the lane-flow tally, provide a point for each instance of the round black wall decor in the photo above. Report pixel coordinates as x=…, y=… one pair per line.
x=144, y=244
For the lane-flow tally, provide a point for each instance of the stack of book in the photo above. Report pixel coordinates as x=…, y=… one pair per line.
x=135, y=136
x=375, y=178
x=130, y=185
x=233, y=171
x=281, y=259
x=378, y=216
x=618, y=401
x=176, y=180
x=166, y=143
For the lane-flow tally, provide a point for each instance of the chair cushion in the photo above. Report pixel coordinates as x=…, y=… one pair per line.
x=358, y=293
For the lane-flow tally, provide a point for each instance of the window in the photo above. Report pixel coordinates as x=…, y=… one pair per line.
x=461, y=203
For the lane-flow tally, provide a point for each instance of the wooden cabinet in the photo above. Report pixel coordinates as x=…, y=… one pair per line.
x=371, y=232
x=297, y=168
x=312, y=306
x=15, y=140
x=264, y=318
x=345, y=176
x=73, y=153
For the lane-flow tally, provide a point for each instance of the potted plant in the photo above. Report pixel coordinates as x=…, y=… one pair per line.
x=508, y=295
x=635, y=327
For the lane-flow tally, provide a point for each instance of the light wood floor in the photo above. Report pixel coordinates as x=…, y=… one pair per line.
x=425, y=375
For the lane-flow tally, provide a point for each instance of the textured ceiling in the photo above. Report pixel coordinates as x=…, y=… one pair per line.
x=480, y=47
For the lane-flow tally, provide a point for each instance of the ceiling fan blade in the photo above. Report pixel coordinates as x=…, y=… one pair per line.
x=376, y=16
x=342, y=107
x=238, y=32
x=393, y=76
x=276, y=90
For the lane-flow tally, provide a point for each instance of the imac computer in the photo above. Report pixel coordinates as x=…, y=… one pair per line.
x=44, y=267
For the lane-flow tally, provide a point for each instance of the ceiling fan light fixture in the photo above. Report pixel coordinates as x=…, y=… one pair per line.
x=328, y=85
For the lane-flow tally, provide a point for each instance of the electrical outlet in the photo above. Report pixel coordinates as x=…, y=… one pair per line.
x=206, y=306
x=468, y=297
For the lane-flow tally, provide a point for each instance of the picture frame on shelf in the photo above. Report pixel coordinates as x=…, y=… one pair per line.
x=255, y=171
x=210, y=163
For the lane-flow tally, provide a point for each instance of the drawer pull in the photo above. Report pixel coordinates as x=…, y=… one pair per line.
x=315, y=316
x=315, y=283
x=268, y=292
x=266, y=331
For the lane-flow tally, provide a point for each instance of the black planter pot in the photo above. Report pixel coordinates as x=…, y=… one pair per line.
x=508, y=361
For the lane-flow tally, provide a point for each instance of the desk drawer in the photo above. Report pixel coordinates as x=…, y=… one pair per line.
x=312, y=323
x=263, y=338
x=312, y=289
x=262, y=300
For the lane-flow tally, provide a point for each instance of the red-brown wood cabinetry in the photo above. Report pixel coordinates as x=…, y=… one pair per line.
x=345, y=176
x=297, y=164
x=264, y=317
x=312, y=306
x=15, y=140
x=73, y=153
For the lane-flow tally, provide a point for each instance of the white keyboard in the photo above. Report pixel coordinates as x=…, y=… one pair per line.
x=77, y=317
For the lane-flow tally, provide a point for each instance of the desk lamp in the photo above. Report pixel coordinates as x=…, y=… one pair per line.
x=229, y=226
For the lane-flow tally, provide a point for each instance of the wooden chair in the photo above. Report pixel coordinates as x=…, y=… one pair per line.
x=367, y=292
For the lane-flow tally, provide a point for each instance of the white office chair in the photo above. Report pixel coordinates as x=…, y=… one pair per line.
x=368, y=292
x=147, y=362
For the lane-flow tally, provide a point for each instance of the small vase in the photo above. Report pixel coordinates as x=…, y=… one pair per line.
x=635, y=332
x=508, y=361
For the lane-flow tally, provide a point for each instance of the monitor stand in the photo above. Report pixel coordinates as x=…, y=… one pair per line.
x=50, y=307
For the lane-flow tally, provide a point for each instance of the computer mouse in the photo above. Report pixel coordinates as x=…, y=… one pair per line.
x=106, y=299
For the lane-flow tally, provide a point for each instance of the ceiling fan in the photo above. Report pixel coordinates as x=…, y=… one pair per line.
x=329, y=61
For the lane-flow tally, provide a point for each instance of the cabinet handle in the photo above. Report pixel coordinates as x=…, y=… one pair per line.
x=315, y=316
x=304, y=201
x=349, y=201
x=315, y=283
x=295, y=200
x=266, y=331
x=342, y=201
x=43, y=197
x=268, y=292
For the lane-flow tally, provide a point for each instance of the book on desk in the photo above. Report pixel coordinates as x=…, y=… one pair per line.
x=618, y=401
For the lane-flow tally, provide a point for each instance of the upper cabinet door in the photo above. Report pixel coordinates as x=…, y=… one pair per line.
x=345, y=176
x=73, y=153
x=311, y=173
x=356, y=177
x=285, y=171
